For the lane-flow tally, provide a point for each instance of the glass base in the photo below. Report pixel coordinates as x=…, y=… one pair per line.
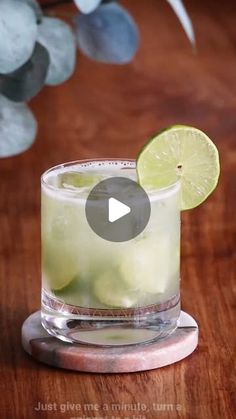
x=109, y=327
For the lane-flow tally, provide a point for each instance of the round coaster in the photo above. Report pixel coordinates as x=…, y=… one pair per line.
x=52, y=351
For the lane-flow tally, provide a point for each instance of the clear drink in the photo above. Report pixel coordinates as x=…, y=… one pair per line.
x=100, y=292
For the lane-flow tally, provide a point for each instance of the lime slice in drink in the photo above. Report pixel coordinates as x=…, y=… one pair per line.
x=180, y=153
x=73, y=179
x=60, y=264
x=112, y=292
x=76, y=293
x=70, y=293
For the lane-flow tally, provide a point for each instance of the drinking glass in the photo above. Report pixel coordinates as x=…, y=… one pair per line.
x=99, y=292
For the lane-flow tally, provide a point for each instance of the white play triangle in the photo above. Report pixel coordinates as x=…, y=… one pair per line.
x=117, y=210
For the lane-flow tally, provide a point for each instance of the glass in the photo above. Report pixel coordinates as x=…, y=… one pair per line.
x=100, y=292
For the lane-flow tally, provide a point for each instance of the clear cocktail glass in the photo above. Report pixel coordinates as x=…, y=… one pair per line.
x=99, y=292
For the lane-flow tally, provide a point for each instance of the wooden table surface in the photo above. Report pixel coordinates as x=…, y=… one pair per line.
x=109, y=111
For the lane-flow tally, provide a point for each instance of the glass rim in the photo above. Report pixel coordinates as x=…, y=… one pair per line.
x=61, y=166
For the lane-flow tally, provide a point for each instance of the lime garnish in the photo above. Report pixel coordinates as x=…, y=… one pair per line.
x=180, y=153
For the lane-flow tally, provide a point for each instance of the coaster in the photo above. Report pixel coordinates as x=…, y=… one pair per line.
x=52, y=351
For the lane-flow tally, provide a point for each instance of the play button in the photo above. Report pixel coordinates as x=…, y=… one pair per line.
x=117, y=209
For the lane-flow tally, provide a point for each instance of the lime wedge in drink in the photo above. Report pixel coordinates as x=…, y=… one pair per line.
x=73, y=179
x=60, y=264
x=180, y=153
x=76, y=293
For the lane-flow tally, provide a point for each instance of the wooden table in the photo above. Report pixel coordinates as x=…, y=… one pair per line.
x=110, y=111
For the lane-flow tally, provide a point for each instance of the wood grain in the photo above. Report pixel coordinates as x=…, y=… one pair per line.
x=109, y=111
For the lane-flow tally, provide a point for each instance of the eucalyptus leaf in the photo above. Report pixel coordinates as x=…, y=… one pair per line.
x=36, y=8
x=87, y=6
x=180, y=11
x=108, y=35
x=26, y=82
x=18, y=33
x=59, y=39
x=18, y=127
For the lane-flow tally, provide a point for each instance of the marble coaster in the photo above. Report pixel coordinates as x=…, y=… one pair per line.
x=52, y=351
